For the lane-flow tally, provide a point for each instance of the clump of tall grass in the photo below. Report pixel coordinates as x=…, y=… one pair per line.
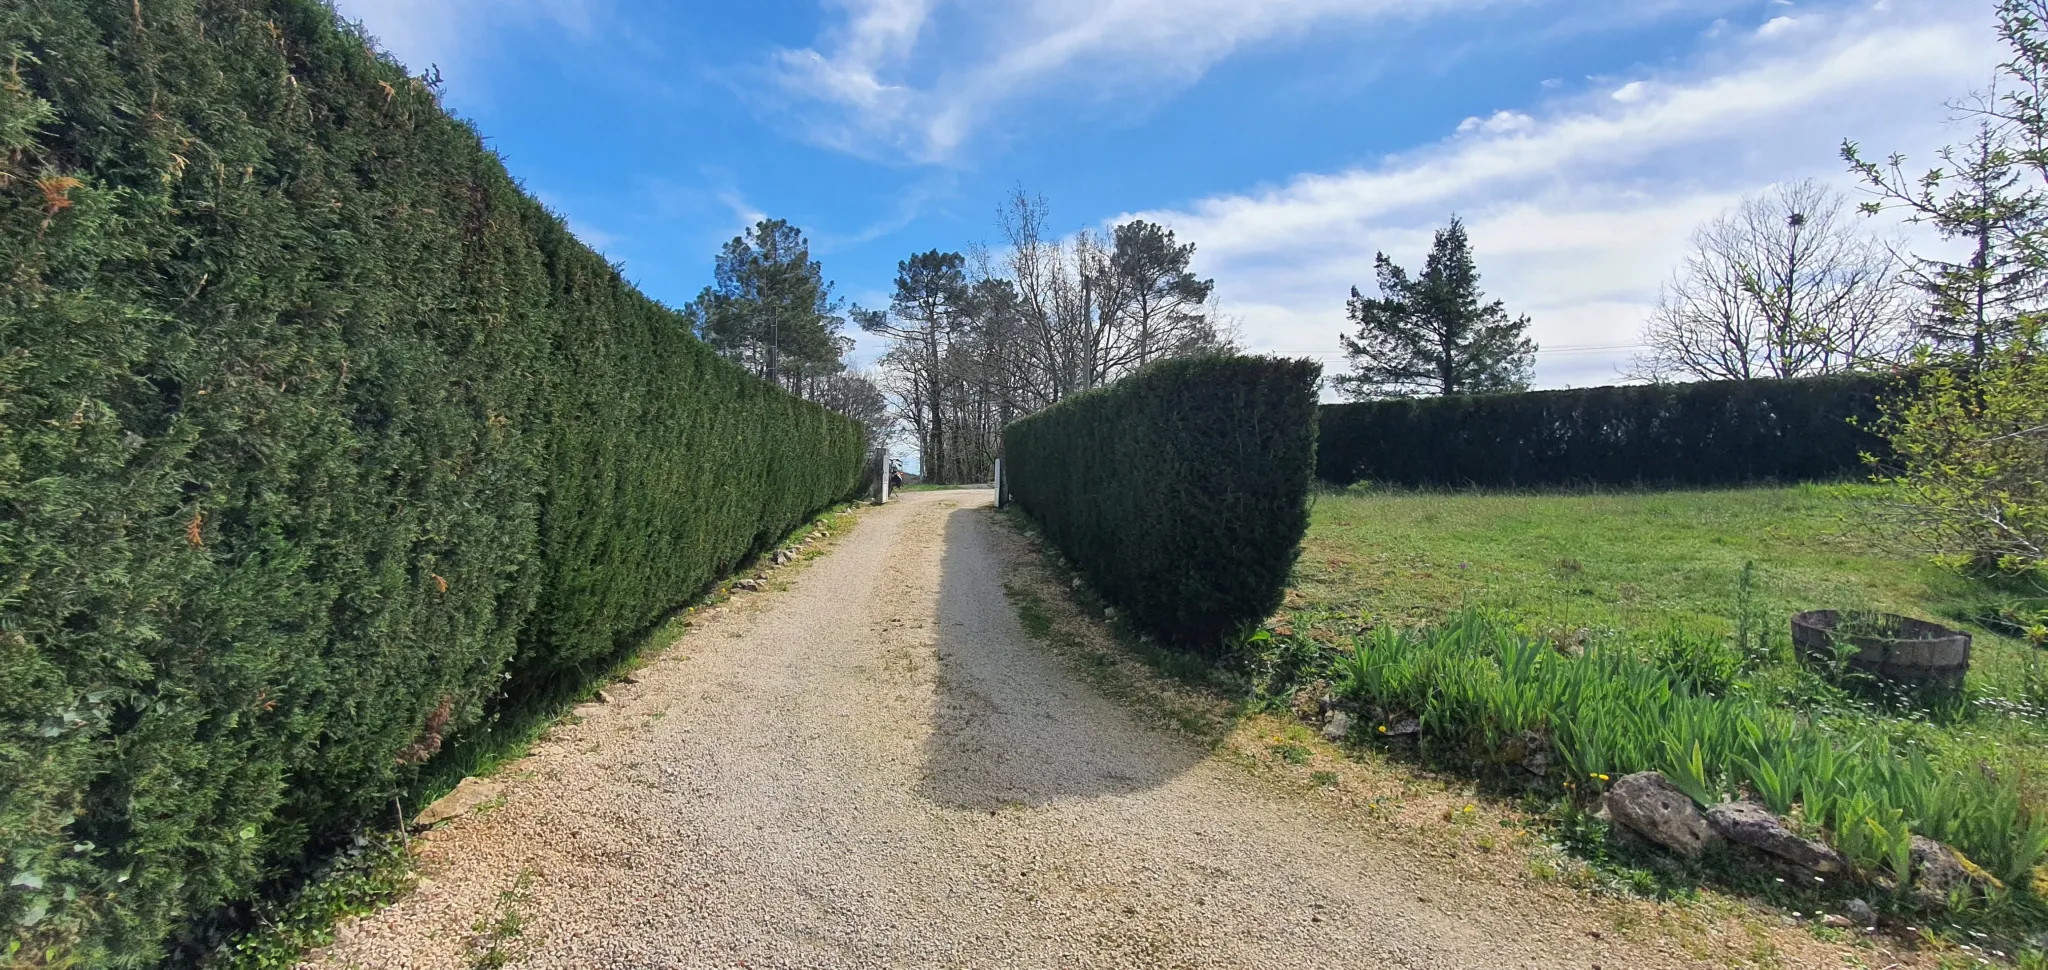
x=1478, y=688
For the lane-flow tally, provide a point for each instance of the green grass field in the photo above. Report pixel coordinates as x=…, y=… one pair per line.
x=1630, y=567
x=1622, y=563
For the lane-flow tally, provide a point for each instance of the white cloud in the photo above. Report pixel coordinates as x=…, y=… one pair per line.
x=446, y=32
x=1579, y=210
x=1629, y=93
x=1776, y=26
x=745, y=214
x=855, y=87
x=1500, y=122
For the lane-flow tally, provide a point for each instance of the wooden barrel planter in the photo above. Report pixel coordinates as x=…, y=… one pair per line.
x=1893, y=648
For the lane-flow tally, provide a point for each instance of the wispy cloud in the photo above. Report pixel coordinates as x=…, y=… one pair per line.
x=912, y=79
x=1578, y=209
x=449, y=33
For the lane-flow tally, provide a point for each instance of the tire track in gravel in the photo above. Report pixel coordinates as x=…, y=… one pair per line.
x=878, y=768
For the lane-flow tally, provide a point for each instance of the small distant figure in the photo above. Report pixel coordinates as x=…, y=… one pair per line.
x=895, y=477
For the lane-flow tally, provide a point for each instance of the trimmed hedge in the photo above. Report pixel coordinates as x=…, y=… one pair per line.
x=1182, y=491
x=1708, y=433
x=319, y=441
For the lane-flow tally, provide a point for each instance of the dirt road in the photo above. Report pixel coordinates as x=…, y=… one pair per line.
x=876, y=767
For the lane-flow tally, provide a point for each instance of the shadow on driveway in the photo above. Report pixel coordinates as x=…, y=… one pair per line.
x=1013, y=725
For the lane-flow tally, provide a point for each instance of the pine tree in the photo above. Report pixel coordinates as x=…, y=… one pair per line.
x=771, y=310
x=1981, y=195
x=1432, y=334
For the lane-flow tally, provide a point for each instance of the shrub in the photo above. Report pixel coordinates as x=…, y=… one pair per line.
x=1479, y=689
x=313, y=428
x=1707, y=433
x=1182, y=491
x=1971, y=460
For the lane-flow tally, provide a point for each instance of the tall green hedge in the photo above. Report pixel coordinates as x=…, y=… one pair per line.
x=1182, y=491
x=315, y=434
x=1708, y=433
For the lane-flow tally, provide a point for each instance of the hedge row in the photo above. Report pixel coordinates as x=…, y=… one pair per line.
x=317, y=439
x=1182, y=491
x=1709, y=433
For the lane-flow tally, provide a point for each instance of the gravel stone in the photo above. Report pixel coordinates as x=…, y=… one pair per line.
x=468, y=796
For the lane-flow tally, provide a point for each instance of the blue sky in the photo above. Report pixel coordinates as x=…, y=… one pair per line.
x=1582, y=140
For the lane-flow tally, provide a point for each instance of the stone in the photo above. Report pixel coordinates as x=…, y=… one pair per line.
x=1649, y=804
x=1530, y=750
x=602, y=698
x=1753, y=825
x=1838, y=922
x=1939, y=871
x=467, y=797
x=1404, y=727
x=1860, y=913
x=1338, y=727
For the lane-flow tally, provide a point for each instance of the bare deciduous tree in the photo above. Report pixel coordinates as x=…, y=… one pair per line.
x=1785, y=285
x=990, y=337
x=931, y=301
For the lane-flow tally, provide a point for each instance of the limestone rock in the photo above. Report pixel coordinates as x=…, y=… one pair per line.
x=467, y=797
x=1753, y=825
x=1939, y=871
x=1338, y=727
x=1649, y=804
x=1860, y=913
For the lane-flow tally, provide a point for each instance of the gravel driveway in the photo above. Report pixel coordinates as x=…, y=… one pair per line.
x=876, y=767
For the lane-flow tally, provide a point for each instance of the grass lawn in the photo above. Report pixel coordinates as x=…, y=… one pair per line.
x=1625, y=567
x=1628, y=563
